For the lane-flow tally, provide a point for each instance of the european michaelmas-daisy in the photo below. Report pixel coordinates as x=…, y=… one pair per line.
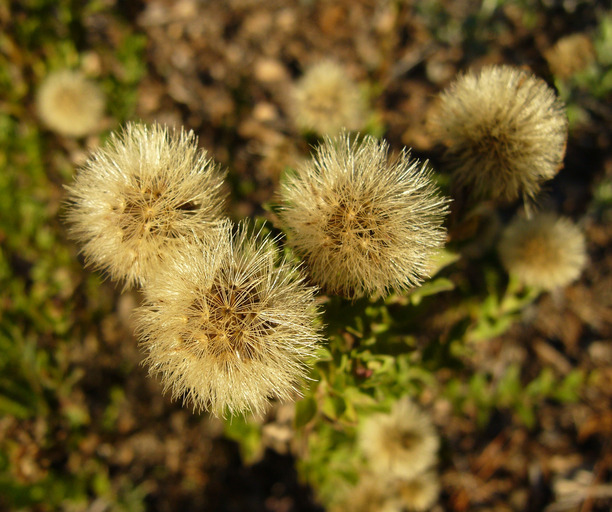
x=229, y=326
x=69, y=103
x=141, y=198
x=505, y=132
x=364, y=225
x=326, y=100
x=545, y=251
x=402, y=443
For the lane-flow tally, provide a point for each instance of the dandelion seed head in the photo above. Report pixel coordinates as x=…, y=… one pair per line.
x=141, y=198
x=419, y=493
x=505, y=131
x=371, y=494
x=364, y=225
x=402, y=443
x=546, y=251
x=70, y=104
x=326, y=100
x=230, y=326
x=570, y=55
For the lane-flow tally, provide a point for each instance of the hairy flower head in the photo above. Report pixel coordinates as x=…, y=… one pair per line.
x=419, y=493
x=363, y=225
x=570, y=55
x=230, y=326
x=402, y=443
x=371, y=494
x=546, y=251
x=505, y=132
x=70, y=104
x=325, y=100
x=141, y=198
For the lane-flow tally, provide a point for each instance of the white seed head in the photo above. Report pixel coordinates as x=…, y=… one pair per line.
x=364, y=225
x=402, y=443
x=570, y=55
x=70, y=104
x=326, y=100
x=230, y=326
x=546, y=251
x=419, y=493
x=371, y=494
x=141, y=198
x=505, y=132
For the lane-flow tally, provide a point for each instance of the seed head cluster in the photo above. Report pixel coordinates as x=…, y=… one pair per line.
x=141, y=198
x=229, y=327
x=70, y=104
x=326, y=100
x=545, y=251
x=505, y=132
x=364, y=225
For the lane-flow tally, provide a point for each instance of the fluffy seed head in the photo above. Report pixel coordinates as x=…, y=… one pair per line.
x=371, y=494
x=141, y=198
x=402, y=443
x=325, y=100
x=419, y=493
x=70, y=104
x=546, y=251
x=505, y=132
x=364, y=225
x=228, y=327
x=570, y=55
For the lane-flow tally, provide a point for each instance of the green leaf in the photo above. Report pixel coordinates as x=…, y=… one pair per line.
x=443, y=258
x=441, y=284
x=12, y=408
x=569, y=388
x=247, y=434
x=356, y=397
x=305, y=410
x=542, y=386
x=525, y=412
x=333, y=407
x=323, y=354
x=509, y=386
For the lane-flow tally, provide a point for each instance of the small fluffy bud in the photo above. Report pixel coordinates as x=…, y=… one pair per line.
x=419, y=493
x=546, y=251
x=70, y=104
x=371, y=494
x=402, y=443
x=325, y=100
x=570, y=55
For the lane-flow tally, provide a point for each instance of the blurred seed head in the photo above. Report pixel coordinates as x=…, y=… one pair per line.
x=70, y=104
x=141, y=198
x=402, y=443
x=371, y=494
x=545, y=251
x=364, y=225
x=419, y=493
x=505, y=132
x=384, y=492
x=570, y=55
x=325, y=100
x=229, y=326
